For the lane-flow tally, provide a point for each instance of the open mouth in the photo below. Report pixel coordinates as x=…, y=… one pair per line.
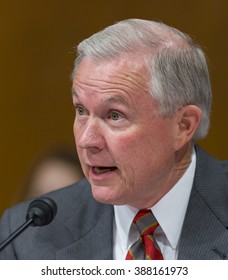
x=103, y=169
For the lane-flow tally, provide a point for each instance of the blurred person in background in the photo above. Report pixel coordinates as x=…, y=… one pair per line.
x=55, y=169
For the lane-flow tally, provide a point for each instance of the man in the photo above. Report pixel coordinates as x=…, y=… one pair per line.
x=142, y=96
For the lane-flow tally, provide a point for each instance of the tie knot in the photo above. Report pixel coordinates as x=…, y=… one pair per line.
x=145, y=222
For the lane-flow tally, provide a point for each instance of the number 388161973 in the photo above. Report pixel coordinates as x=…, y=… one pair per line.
x=172, y=270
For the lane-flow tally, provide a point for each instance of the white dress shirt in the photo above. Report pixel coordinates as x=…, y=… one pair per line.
x=169, y=211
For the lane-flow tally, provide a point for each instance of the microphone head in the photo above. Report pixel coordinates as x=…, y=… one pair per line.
x=42, y=211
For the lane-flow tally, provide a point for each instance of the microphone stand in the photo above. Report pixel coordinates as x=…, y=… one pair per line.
x=40, y=213
x=15, y=233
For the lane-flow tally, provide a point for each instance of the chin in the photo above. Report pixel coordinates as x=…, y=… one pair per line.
x=103, y=194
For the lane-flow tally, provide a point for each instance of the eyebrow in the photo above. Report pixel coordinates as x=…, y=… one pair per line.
x=73, y=92
x=110, y=99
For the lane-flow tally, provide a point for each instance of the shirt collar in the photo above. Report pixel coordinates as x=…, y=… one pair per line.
x=170, y=209
x=124, y=215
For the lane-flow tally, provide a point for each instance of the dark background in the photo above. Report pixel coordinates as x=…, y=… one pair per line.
x=37, y=54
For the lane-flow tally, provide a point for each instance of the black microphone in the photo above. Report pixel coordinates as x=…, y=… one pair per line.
x=40, y=213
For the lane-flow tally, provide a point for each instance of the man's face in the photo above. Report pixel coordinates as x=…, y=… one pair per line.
x=125, y=147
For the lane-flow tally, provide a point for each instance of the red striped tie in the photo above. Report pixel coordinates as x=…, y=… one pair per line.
x=145, y=248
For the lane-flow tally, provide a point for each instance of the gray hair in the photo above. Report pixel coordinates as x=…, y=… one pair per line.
x=178, y=69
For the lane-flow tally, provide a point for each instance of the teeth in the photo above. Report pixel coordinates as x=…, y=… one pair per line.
x=100, y=170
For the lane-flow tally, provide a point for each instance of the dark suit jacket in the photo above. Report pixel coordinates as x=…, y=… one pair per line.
x=83, y=227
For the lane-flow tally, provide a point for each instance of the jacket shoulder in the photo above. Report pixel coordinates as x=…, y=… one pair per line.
x=211, y=183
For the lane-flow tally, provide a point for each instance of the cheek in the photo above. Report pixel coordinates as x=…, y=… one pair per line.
x=75, y=140
x=76, y=133
x=128, y=151
x=141, y=149
x=74, y=128
x=122, y=144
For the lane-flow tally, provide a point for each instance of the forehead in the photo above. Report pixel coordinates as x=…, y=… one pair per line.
x=126, y=73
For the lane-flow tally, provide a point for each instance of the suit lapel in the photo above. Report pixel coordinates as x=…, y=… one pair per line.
x=204, y=234
x=92, y=231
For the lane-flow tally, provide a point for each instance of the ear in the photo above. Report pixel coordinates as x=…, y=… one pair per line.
x=188, y=119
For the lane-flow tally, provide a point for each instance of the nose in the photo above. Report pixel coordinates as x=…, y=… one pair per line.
x=89, y=136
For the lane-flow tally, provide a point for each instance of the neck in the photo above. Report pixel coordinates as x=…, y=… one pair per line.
x=183, y=160
x=181, y=163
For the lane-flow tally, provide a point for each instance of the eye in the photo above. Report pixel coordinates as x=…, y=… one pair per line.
x=115, y=116
x=80, y=110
